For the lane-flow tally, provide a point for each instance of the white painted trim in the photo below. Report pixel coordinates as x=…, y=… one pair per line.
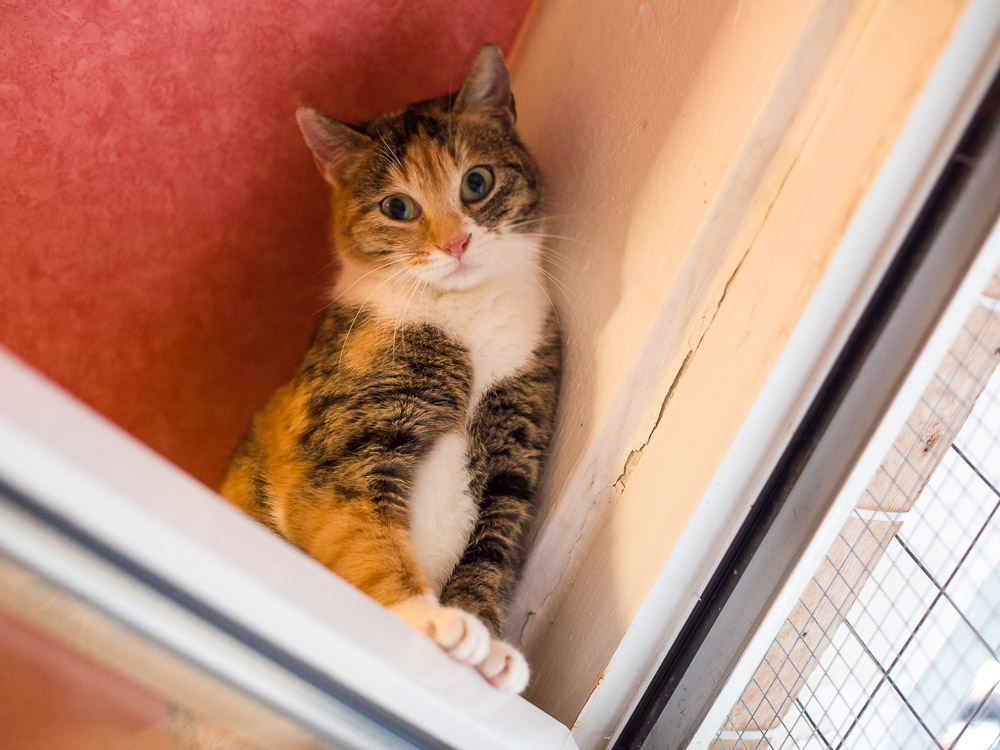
x=952, y=93
x=42, y=557
x=102, y=481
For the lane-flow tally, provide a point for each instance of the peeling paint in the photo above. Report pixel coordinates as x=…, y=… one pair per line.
x=524, y=625
x=633, y=457
x=632, y=461
x=597, y=686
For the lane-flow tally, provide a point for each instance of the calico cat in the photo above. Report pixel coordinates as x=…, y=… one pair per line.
x=406, y=451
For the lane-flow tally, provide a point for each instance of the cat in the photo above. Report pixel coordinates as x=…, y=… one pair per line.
x=406, y=452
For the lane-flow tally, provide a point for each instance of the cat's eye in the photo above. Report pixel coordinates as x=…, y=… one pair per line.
x=400, y=207
x=476, y=184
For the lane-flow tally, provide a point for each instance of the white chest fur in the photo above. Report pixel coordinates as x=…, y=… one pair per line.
x=442, y=512
x=501, y=323
x=501, y=328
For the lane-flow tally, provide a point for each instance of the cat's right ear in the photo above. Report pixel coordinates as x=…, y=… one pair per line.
x=334, y=144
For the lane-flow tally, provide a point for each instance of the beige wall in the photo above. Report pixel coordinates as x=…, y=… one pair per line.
x=703, y=160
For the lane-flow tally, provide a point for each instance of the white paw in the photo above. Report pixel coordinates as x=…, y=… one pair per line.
x=505, y=668
x=459, y=633
x=462, y=635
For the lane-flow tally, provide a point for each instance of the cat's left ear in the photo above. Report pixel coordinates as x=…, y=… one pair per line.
x=487, y=87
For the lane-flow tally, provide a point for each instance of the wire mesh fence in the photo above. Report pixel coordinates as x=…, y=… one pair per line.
x=895, y=643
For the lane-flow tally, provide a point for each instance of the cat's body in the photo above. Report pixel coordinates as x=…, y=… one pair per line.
x=506, y=342
x=405, y=454
x=434, y=393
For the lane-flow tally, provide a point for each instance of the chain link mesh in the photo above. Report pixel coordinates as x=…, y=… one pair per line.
x=895, y=643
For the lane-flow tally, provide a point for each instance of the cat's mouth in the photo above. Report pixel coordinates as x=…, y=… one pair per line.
x=458, y=273
x=461, y=268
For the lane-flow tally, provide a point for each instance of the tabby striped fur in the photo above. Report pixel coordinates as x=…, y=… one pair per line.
x=406, y=452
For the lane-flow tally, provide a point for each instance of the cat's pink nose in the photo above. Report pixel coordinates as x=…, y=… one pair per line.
x=457, y=246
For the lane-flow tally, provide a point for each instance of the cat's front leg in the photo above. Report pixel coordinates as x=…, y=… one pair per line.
x=481, y=584
x=369, y=545
x=509, y=436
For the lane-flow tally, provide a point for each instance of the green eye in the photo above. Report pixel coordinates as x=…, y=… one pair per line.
x=400, y=207
x=476, y=184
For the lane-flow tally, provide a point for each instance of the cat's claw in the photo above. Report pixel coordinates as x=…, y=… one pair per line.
x=461, y=634
x=505, y=668
x=464, y=637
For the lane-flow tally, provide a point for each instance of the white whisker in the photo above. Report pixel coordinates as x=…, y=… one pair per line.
x=552, y=304
x=549, y=235
x=393, y=159
x=400, y=317
x=548, y=253
x=343, y=346
x=369, y=273
x=422, y=286
x=545, y=218
x=559, y=286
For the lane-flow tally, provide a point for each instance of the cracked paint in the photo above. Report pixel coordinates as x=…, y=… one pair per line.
x=634, y=456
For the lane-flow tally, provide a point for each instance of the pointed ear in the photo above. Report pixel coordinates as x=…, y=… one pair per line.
x=334, y=144
x=488, y=84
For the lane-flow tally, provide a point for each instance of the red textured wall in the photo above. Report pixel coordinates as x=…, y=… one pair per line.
x=162, y=248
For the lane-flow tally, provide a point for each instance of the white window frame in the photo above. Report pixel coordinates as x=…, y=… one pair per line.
x=96, y=519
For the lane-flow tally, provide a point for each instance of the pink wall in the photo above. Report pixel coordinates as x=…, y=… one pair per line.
x=162, y=248
x=54, y=698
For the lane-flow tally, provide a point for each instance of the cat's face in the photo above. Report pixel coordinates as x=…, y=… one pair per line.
x=442, y=192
